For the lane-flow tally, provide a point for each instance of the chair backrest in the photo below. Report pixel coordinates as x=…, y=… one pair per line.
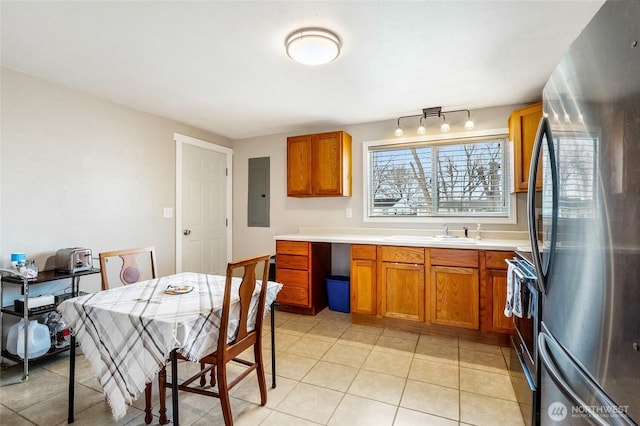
x=245, y=293
x=134, y=263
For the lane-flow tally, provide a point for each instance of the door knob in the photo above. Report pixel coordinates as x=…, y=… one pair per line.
x=187, y=232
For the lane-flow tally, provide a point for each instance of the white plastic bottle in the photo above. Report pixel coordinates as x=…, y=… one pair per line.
x=478, y=232
x=38, y=338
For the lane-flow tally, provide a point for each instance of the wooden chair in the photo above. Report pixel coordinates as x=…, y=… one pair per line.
x=130, y=273
x=226, y=352
x=130, y=270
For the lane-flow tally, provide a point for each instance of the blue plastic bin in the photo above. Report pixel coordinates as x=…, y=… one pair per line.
x=338, y=293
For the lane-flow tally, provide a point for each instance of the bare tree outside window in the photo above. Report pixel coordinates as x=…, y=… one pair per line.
x=464, y=179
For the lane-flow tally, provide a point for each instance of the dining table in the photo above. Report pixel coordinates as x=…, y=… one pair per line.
x=128, y=333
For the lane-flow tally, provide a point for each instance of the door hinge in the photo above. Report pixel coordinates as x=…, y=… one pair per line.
x=226, y=222
x=226, y=171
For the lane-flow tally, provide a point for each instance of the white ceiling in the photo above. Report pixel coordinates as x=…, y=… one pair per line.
x=221, y=66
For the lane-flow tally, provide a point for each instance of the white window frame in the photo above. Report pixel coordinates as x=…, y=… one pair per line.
x=366, y=146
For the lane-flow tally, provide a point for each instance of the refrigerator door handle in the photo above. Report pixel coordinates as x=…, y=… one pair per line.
x=544, y=341
x=544, y=129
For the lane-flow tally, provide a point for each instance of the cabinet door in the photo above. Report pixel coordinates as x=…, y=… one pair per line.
x=299, y=166
x=493, y=292
x=363, y=286
x=401, y=292
x=455, y=296
x=330, y=152
x=498, y=289
x=523, y=126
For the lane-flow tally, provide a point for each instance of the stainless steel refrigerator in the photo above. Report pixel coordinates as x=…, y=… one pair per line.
x=588, y=261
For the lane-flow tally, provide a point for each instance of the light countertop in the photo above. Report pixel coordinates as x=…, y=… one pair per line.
x=410, y=240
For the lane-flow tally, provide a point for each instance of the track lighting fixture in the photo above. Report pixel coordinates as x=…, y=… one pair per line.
x=435, y=112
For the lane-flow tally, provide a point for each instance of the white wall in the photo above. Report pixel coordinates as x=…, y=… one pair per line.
x=77, y=170
x=288, y=214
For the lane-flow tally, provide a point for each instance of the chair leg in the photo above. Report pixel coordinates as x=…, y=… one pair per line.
x=162, y=392
x=203, y=379
x=147, y=404
x=223, y=391
x=262, y=382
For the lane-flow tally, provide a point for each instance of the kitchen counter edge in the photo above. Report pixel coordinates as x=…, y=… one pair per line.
x=488, y=244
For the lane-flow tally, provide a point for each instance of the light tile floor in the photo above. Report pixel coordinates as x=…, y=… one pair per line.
x=329, y=372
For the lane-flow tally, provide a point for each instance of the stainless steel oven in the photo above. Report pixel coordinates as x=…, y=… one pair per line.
x=523, y=299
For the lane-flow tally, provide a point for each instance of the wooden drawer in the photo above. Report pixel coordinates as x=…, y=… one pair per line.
x=363, y=252
x=292, y=247
x=293, y=296
x=401, y=254
x=452, y=257
x=292, y=277
x=290, y=261
x=496, y=259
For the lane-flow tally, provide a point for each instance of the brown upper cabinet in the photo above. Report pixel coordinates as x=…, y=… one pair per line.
x=319, y=165
x=523, y=126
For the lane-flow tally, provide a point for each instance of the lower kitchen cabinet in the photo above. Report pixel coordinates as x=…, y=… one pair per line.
x=302, y=268
x=401, y=291
x=455, y=288
x=493, y=292
x=401, y=286
x=363, y=279
x=455, y=296
x=432, y=290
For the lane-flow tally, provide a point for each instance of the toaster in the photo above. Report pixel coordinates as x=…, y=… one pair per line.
x=72, y=260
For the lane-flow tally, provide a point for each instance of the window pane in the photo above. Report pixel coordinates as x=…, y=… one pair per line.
x=470, y=178
x=400, y=181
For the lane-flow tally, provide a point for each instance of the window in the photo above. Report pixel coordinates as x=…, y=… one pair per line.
x=446, y=178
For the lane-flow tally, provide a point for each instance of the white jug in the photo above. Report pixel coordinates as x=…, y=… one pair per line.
x=37, y=335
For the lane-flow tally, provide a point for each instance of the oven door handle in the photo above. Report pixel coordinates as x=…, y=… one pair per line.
x=516, y=270
x=544, y=342
x=525, y=368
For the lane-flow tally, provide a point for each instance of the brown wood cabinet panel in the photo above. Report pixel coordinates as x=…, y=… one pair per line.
x=292, y=247
x=496, y=259
x=454, y=257
x=363, y=287
x=302, y=268
x=401, y=254
x=493, y=292
x=363, y=251
x=299, y=166
x=498, y=288
x=289, y=295
x=523, y=126
x=455, y=297
x=329, y=151
x=293, y=277
x=401, y=291
x=319, y=165
x=292, y=261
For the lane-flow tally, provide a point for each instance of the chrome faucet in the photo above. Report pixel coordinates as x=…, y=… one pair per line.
x=445, y=230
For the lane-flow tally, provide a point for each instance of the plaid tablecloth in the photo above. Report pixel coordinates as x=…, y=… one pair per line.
x=127, y=333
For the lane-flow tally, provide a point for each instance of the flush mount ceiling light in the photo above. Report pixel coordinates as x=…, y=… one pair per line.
x=435, y=112
x=313, y=46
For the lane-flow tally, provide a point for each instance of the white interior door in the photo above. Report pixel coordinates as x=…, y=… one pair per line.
x=203, y=218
